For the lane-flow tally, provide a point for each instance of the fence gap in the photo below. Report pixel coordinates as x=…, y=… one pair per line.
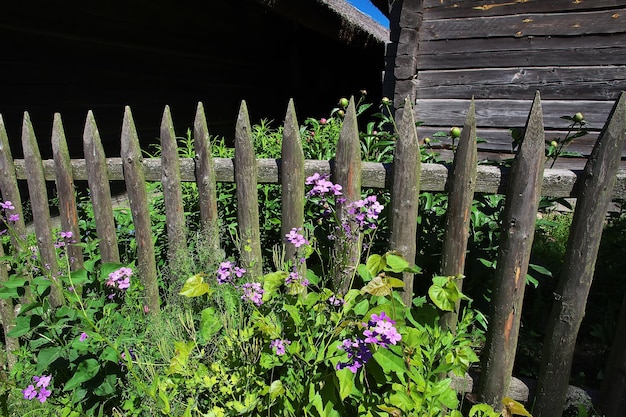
x=100, y=191
x=205, y=179
x=292, y=181
x=65, y=192
x=596, y=187
x=405, y=188
x=172, y=194
x=138, y=198
x=347, y=173
x=613, y=394
x=39, y=203
x=247, y=195
x=518, y=228
x=462, y=183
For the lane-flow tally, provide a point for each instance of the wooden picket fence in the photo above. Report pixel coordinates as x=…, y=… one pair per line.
x=524, y=183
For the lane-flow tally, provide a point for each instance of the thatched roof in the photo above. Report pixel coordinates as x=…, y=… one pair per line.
x=334, y=18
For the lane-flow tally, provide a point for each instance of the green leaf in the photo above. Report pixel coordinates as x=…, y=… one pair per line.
x=86, y=370
x=374, y=264
x=107, y=268
x=109, y=354
x=444, y=293
x=293, y=313
x=46, y=356
x=107, y=387
x=178, y=364
x=24, y=324
x=79, y=277
x=14, y=282
x=210, y=323
x=276, y=389
x=346, y=382
x=396, y=263
x=194, y=286
x=389, y=361
x=272, y=282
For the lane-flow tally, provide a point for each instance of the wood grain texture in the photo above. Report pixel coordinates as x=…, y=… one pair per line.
x=138, y=199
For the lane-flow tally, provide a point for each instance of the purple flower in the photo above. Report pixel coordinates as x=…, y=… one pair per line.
x=228, y=271
x=252, y=291
x=42, y=381
x=296, y=238
x=83, y=336
x=14, y=217
x=279, y=345
x=321, y=185
x=43, y=395
x=365, y=212
x=29, y=393
x=336, y=301
x=358, y=354
x=120, y=278
x=381, y=331
x=7, y=205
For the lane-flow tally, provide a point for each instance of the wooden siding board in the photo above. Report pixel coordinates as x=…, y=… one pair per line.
x=509, y=113
x=475, y=8
x=528, y=51
x=529, y=24
x=588, y=82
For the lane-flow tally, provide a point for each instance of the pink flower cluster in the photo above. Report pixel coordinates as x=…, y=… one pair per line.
x=227, y=272
x=252, y=291
x=120, y=278
x=380, y=331
x=294, y=237
x=321, y=185
x=279, y=345
x=365, y=212
x=7, y=206
x=41, y=383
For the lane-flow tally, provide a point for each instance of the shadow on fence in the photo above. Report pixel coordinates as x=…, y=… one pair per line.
x=524, y=183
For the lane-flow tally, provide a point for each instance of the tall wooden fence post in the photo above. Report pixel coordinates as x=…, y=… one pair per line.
x=405, y=191
x=205, y=179
x=347, y=173
x=138, y=197
x=172, y=193
x=462, y=180
x=292, y=181
x=65, y=191
x=596, y=187
x=100, y=191
x=41, y=213
x=518, y=228
x=247, y=195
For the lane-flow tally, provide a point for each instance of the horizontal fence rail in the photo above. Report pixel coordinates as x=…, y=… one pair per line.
x=490, y=179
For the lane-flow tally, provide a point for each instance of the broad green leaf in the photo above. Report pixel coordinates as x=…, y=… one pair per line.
x=346, y=382
x=109, y=354
x=515, y=408
x=363, y=272
x=107, y=387
x=389, y=361
x=272, y=282
x=46, y=356
x=396, y=263
x=293, y=313
x=178, y=364
x=374, y=264
x=362, y=307
x=79, y=277
x=194, y=286
x=210, y=323
x=14, y=282
x=107, y=268
x=276, y=389
x=24, y=324
x=86, y=370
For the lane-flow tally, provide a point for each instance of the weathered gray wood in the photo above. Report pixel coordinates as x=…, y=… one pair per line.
x=205, y=179
x=462, y=183
x=405, y=196
x=508, y=113
x=291, y=179
x=100, y=190
x=527, y=24
x=347, y=173
x=7, y=319
x=579, y=264
x=518, y=228
x=614, y=381
x=558, y=182
x=38, y=196
x=469, y=8
x=247, y=195
x=138, y=199
x=522, y=52
x=555, y=82
x=65, y=192
x=172, y=193
x=8, y=184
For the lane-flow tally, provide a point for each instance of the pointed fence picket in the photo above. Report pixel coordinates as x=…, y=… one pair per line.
x=406, y=177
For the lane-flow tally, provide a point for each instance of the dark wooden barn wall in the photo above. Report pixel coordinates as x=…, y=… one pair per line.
x=502, y=51
x=70, y=56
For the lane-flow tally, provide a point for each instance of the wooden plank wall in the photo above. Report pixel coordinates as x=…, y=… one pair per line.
x=502, y=51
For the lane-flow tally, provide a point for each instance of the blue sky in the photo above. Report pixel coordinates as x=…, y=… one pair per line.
x=368, y=8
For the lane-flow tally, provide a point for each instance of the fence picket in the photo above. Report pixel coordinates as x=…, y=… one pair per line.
x=247, y=195
x=347, y=173
x=8, y=183
x=405, y=188
x=172, y=193
x=518, y=228
x=579, y=264
x=100, y=191
x=205, y=179
x=65, y=191
x=138, y=199
x=291, y=179
x=7, y=320
x=462, y=180
x=39, y=203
